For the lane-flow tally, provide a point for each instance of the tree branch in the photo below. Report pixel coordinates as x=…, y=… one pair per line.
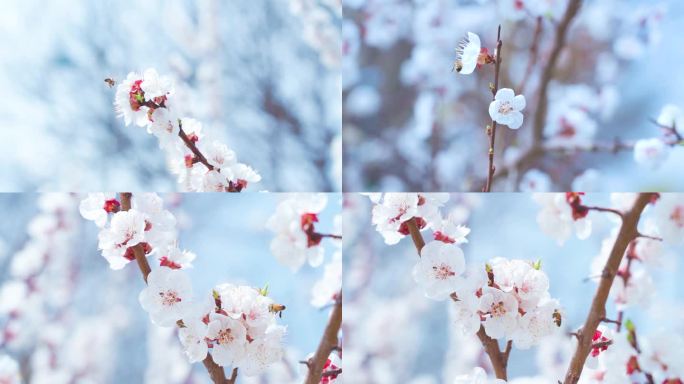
x=558, y=45
x=415, y=235
x=329, y=342
x=216, y=372
x=199, y=157
x=499, y=359
x=492, y=132
x=628, y=232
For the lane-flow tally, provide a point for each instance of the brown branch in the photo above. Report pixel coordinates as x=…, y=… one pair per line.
x=138, y=250
x=499, y=359
x=216, y=372
x=492, y=129
x=558, y=45
x=534, y=52
x=415, y=235
x=199, y=157
x=597, y=312
x=329, y=342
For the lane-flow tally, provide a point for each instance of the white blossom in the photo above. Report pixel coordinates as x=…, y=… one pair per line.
x=506, y=108
x=439, y=269
x=467, y=54
x=229, y=337
x=556, y=219
x=501, y=312
x=167, y=297
x=669, y=217
x=650, y=152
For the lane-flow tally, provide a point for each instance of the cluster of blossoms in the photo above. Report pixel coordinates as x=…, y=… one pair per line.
x=391, y=211
x=321, y=31
x=146, y=223
x=201, y=164
x=509, y=298
x=237, y=323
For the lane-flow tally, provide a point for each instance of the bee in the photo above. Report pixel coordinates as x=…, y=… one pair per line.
x=557, y=318
x=277, y=308
x=111, y=82
x=458, y=66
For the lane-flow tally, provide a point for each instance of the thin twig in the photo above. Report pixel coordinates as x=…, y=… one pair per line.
x=492, y=127
x=216, y=372
x=499, y=359
x=609, y=210
x=199, y=157
x=329, y=342
x=628, y=232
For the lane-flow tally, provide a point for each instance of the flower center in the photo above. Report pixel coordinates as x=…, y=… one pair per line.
x=567, y=128
x=498, y=309
x=402, y=210
x=225, y=336
x=130, y=233
x=505, y=108
x=443, y=271
x=678, y=216
x=169, y=298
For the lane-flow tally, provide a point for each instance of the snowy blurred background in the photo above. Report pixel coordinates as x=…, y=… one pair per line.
x=394, y=334
x=261, y=75
x=68, y=316
x=411, y=124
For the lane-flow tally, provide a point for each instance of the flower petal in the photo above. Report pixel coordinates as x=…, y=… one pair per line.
x=494, y=110
x=504, y=94
x=519, y=103
x=516, y=120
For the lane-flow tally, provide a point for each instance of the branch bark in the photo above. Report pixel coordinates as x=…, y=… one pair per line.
x=628, y=232
x=498, y=359
x=329, y=342
x=216, y=372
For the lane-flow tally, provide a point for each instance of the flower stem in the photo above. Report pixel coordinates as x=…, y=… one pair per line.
x=492, y=132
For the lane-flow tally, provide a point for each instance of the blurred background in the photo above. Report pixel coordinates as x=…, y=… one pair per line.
x=66, y=317
x=262, y=76
x=411, y=124
x=394, y=334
